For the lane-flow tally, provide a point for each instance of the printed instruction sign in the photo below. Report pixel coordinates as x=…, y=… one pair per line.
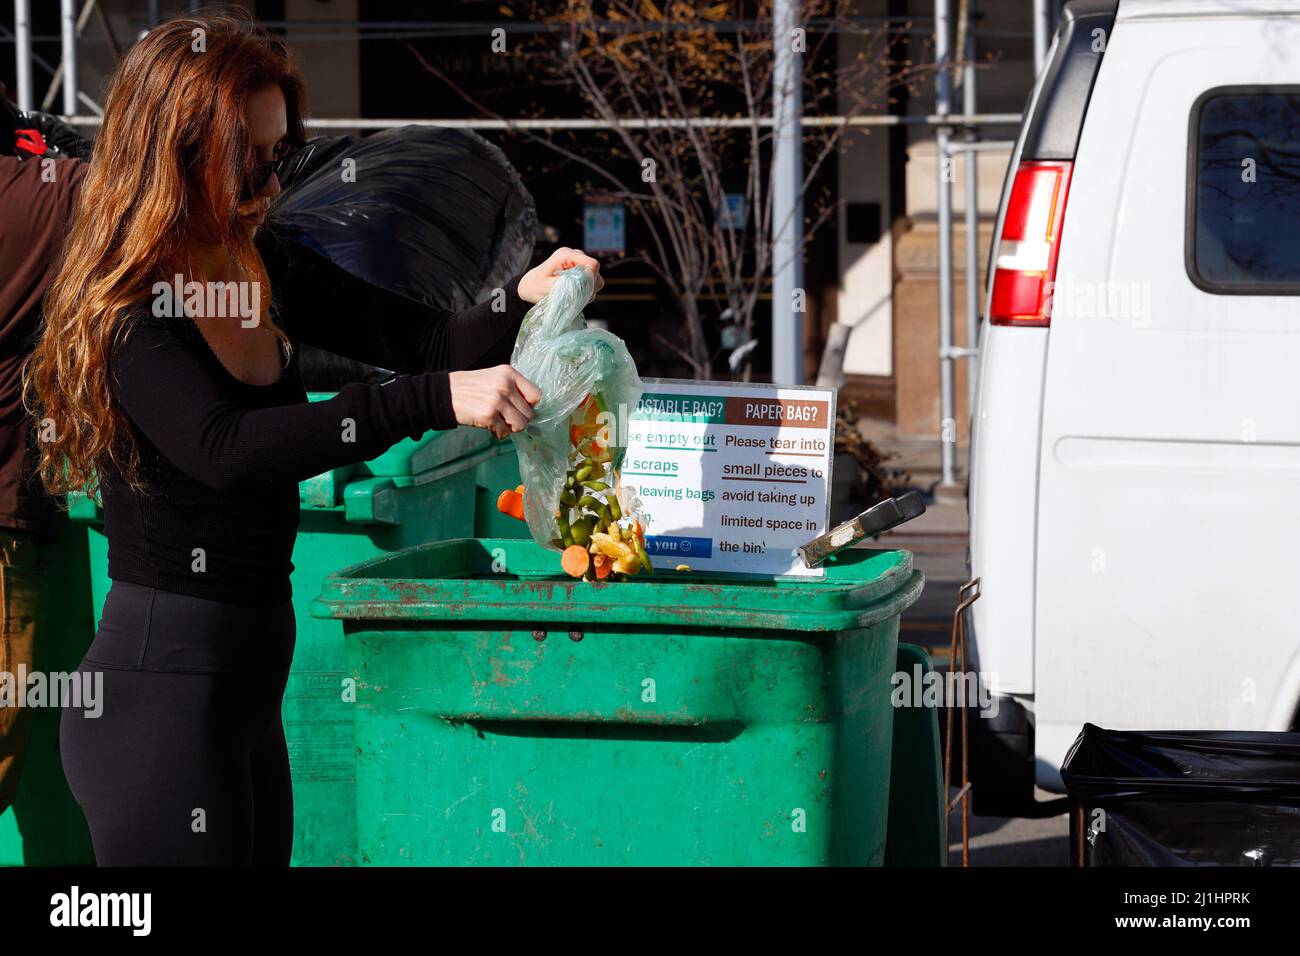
x=732, y=476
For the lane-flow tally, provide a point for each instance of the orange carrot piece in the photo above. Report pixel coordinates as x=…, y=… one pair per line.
x=511, y=502
x=603, y=564
x=575, y=560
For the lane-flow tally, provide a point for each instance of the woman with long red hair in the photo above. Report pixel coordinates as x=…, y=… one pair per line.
x=192, y=424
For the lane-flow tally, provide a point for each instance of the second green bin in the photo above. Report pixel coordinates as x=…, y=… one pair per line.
x=442, y=485
x=508, y=715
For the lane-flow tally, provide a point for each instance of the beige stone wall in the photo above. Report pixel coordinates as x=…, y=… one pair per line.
x=864, y=301
x=916, y=329
x=1004, y=79
x=331, y=67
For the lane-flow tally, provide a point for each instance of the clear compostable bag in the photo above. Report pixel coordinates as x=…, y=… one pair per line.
x=578, y=370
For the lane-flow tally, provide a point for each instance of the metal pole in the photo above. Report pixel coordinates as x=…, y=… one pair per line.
x=653, y=122
x=56, y=83
x=943, y=106
x=68, y=22
x=23, y=53
x=972, y=206
x=154, y=14
x=1042, y=33
x=787, y=198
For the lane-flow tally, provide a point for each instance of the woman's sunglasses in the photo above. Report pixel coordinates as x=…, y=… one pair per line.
x=284, y=167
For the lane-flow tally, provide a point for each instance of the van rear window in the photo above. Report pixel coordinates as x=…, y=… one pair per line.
x=1244, y=182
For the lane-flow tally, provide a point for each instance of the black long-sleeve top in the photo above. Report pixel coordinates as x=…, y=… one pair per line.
x=222, y=458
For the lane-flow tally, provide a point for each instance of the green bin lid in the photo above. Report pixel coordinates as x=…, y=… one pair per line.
x=414, y=456
x=494, y=579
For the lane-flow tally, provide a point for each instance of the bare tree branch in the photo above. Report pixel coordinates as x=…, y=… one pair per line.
x=649, y=60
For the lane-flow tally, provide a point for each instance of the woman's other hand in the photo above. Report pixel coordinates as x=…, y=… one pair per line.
x=498, y=399
x=535, y=283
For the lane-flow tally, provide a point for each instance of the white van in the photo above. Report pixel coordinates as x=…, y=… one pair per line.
x=1135, y=461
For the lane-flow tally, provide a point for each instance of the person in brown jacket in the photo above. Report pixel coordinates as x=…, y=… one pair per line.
x=37, y=196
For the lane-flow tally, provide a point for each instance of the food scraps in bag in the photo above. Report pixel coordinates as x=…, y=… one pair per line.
x=598, y=540
x=587, y=379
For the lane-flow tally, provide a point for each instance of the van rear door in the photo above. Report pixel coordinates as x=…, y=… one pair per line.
x=1169, y=483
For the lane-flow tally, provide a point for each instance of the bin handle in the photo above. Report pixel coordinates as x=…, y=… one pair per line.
x=625, y=726
x=874, y=521
x=367, y=502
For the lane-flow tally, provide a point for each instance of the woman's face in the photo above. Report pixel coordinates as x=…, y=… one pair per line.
x=267, y=127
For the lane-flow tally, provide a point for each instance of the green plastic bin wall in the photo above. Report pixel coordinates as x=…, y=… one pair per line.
x=417, y=491
x=498, y=469
x=509, y=715
x=44, y=826
x=918, y=818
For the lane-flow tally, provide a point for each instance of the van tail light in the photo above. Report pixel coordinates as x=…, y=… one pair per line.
x=1025, y=268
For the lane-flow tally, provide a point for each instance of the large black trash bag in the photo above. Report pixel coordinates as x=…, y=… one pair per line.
x=437, y=215
x=1181, y=798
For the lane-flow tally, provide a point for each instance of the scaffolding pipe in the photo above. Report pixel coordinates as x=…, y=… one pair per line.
x=912, y=24
x=943, y=107
x=56, y=84
x=787, y=198
x=68, y=31
x=35, y=59
x=695, y=122
x=23, y=53
x=973, y=288
x=982, y=146
x=1042, y=33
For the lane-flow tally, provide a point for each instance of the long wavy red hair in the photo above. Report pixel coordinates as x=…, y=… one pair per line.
x=167, y=170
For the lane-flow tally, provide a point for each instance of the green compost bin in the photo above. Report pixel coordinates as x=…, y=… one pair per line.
x=509, y=715
x=418, y=491
x=44, y=825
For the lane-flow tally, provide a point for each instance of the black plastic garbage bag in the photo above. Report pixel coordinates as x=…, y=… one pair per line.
x=438, y=215
x=434, y=214
x=1184, y=798
x=32, y=133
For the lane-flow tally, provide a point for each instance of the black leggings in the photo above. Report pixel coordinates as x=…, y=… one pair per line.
x=186, y=762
